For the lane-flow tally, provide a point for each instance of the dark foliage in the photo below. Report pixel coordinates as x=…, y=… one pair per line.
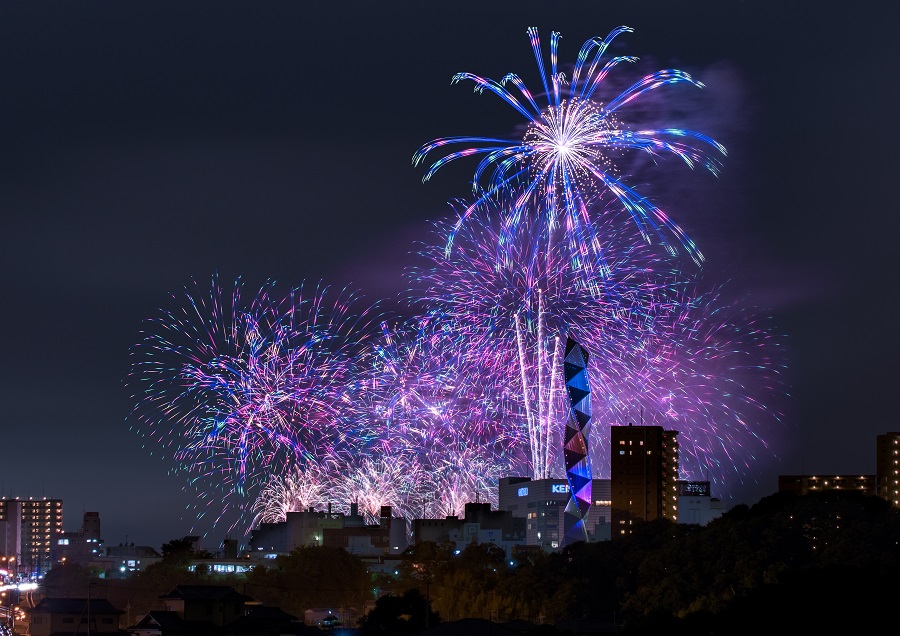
x=406, y=614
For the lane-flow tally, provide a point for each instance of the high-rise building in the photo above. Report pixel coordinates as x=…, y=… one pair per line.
x=39, y=524
x=11, y=534
x=643, y=476
x=887, y=466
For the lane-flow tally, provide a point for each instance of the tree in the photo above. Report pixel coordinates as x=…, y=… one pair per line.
x=311, y=576
x=396, y=615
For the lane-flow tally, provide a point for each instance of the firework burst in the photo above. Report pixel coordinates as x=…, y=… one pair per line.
x=231, y=386
x=566, y=157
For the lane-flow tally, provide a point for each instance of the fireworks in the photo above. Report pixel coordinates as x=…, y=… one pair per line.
x=296, y=401
x=512, y=300
x=305, y=488
x=232, y=386
x=435, y=414
x=662, y=344
x=710, y=368
x=566, y=156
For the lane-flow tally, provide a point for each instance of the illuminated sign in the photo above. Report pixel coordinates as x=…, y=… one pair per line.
x=694, y=488
x=559, y=488
x=523, y=492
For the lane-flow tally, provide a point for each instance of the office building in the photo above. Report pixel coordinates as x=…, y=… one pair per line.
x=81, y=546
x=334, y=529
x=643, y=476
x=479, y=525
x=542, y=502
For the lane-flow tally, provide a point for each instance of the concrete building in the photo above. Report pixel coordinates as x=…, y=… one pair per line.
x=479, y=525
x=885, y=483
x=695, y=503
x=643, y=476
x=124, y=559
x=11, y=534
x=542, y=503
x=348, y=531
x=81, y=546
x=30, y=529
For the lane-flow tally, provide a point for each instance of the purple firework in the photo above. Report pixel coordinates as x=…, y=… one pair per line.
x=429, y=408
x=659, y=344
x=512, y=296
x=233, y=387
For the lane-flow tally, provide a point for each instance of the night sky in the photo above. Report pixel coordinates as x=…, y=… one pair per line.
x=147, y=144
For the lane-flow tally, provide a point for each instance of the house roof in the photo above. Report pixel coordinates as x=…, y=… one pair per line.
x=75, y=606
x=205, y=593
x=172, y=623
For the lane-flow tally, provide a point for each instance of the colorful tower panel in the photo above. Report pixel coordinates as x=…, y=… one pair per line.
x=575, y=446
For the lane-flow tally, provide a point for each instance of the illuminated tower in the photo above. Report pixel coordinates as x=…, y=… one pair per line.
x=643, y=476
x=887, y=467
x=575, y=448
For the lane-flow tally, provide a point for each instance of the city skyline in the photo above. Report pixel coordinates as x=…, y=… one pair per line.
x=279, y=147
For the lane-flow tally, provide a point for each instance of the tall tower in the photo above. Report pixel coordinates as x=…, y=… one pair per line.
x=575, y=446
x=643, y=476
x=887, y=467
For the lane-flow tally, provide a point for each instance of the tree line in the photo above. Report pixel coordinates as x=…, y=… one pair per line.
x=826, y=560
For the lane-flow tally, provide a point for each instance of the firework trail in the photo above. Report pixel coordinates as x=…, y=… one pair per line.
x=304, y=488
x=566, y=157
x=373, y=482
x=230, y=386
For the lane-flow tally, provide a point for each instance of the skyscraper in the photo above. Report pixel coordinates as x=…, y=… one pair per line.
x=643, y=476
